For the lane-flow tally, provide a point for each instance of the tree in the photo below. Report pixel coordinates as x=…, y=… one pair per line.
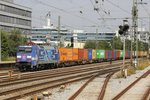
x=100, y=45
x=128, y=45
x=90, y=44
x=10, y=42
x=4, y=45
x=117, y=43
x=15, y=39
x=106, y=45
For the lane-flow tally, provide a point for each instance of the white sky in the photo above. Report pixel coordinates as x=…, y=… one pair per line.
x=71, y=18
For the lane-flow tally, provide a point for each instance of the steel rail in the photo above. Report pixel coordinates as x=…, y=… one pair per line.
x=54, y=80
x=102, y=93
x=36, y=74
x=82, y=87
x=58, y=69
x=87, y=82
x=55, y=84
x=131, y=85
x=30, y=76
x=146, y=94
x=50, y=75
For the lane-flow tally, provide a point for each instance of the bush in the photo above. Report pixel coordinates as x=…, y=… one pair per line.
x=143, y=64
x=10, y=42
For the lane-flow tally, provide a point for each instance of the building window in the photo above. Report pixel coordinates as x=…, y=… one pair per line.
x=13, y=10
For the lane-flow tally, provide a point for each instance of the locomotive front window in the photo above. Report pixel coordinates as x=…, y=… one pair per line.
x=28, y=50
x=25, y=49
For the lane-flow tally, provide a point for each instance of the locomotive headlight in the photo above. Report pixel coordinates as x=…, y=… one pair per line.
x=28, y=56
x=33, y=58
x=18, y=56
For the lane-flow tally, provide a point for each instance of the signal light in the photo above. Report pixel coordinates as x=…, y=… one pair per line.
x=120, y=32
x=123, y=29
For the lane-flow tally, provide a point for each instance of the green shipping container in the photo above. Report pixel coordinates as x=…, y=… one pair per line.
x=121, y=53
x=100, y=54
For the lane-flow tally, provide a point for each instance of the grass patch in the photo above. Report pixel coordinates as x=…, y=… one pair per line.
x=131, y=71
x=9, y=59
x=119, y=75
x=143, y=64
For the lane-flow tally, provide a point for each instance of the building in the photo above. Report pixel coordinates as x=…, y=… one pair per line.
x=14, y=16
x=49, y=34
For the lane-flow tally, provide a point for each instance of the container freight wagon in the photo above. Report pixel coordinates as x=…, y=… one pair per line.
x=75, y=54
x=90, y=55
x=100, y=55
x=66, y=56
x=108, y=55
x=127, y=54
x=116, y=54
x=93, y=55
x=80, y=56
x=121, y=54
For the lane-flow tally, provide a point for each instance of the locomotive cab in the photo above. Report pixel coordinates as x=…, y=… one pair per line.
x=26, y=57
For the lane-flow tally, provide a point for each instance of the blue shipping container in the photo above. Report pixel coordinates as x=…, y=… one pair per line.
x=109, y=54
x=89, y=54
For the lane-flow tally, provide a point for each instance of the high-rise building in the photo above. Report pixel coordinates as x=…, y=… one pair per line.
x=14, y=16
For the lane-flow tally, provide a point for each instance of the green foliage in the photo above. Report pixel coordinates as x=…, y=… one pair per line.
x=90, y=44
x=141, y=46
x=100, y=45
x=106, y=45
x=128, y=45
x=10, y=42
x=4, y=45
x=116, y=44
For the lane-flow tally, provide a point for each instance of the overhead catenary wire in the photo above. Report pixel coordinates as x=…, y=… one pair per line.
x=146, y=10
x=64, y=11
x=66, y=25
x=79, y=16
x=100, y=15
x=118, y=6
x=122, y=8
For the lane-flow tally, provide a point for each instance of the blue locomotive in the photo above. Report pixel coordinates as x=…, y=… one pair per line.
x=36, y=57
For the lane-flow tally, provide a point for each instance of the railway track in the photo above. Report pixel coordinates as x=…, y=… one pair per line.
x=28, y=75
x=146, y=94
x=20, y=92
x=102, y=93
x=15, y=75
x=28, y=85
x=145, y=97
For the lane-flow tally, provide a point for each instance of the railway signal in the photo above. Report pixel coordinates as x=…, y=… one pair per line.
x=122, y=31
